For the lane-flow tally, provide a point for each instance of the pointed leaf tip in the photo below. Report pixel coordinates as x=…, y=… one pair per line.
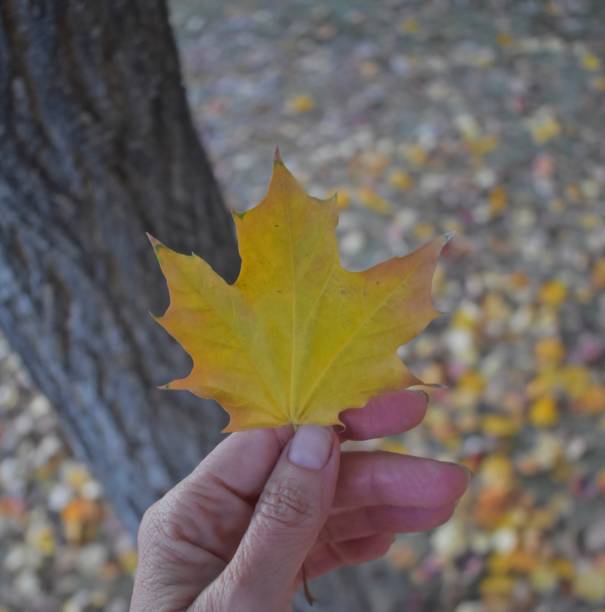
x=277, y=156
x=448, y=237
x=155, y=243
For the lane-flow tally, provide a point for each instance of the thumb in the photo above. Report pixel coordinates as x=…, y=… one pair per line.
x=288, y=517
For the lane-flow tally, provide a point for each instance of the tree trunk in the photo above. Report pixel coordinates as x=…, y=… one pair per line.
x=96, y=148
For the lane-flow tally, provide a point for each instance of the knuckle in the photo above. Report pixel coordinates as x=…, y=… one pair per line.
x=285, y=504
x=148, y=524
x=157, y=525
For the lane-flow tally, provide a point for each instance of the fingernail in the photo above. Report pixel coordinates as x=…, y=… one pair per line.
x=422, y=393
x=310, y=447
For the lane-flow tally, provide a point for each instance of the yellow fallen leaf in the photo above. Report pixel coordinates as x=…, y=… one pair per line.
x=544, y=126
x=544, y=412
x=415, y=154
x=465, y=318
x=518, y=561
x=564, y=568
x=504, y=39
x=297, y=338
x=495, y=307
x=549, y=351
x=500, y=425
x=409, y=26
x=498, y=200
x=589, y=585
x=497, y=470
x=424, y=231
x=553, y=293
x=343, y=197
x=496, y=586
x=76, y=476
x=41, y=537
x=393, y=445
x=128, y=560
x=471, y=381
x=590, y=61
x=545, y=382
x=300, y=104
x=402, y=555
x=481, y=145
x=401, y=180
x=544, y=579
x=372, y=201
x=575, y=380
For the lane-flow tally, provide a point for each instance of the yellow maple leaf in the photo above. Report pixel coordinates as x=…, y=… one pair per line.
x=297, y=338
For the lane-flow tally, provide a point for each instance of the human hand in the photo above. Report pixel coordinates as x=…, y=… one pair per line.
x=266, y=505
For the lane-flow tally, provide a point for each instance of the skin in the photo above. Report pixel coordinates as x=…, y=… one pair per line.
x=235, y=533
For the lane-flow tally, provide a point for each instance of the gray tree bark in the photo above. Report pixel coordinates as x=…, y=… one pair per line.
x=96, y=148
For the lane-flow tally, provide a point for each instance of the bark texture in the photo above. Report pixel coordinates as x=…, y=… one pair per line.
x=96, y=148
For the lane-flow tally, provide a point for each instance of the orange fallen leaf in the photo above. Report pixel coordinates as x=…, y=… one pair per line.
x=592, y=400
x=81, y=518
x=598, y=274
x=504, y=39
x=297, y=338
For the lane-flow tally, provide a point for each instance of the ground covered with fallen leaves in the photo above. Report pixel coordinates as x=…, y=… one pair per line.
x=485, y=120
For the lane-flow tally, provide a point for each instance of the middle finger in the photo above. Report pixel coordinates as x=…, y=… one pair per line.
x=381, y=478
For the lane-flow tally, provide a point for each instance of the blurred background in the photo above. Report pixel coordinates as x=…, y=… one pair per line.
x=480, y=118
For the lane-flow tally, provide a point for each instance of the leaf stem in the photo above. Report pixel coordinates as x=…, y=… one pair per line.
x=308, y=595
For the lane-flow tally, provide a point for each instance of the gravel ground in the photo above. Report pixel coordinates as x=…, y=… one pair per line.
x=485, y=119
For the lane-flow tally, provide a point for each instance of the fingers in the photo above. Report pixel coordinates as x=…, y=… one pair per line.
x=244, y=460
x=390, y=479
x=385, y=415
x=329, y=556
x=291, y=510
x=372, y=520
x=211, y=508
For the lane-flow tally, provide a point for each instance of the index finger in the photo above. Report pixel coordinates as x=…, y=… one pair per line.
x=384, y=415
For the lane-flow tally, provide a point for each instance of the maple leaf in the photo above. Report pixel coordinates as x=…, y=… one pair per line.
x=297, y=338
